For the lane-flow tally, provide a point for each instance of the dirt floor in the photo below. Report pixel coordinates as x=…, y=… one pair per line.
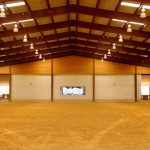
x=75, y=126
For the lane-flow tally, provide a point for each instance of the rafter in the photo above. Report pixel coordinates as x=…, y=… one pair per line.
x=75, y=9
x=32, y=59
x=92, y=55
x=108, y=46
x=39, y=46
x=114, y=54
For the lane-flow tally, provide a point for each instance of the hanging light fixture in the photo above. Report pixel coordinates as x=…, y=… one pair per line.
x=2, y=14
x=25, y=39
x=109, y=52
x=105, y=56
x=120, y=38
x=102, y=60
x=40, y=56
x=31, y=46
x=114, y=46
x=15, y=28
x=143, y=14
x=43, y=59
x=129, y=29
x=36, y=52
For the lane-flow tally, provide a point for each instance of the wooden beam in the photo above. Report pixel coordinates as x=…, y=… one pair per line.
x=111, y=29
x=35, y=40
x=119, y=60
x=114, y=54
x=32, y=59
x=111, y=14
x=109, y=46
x=111, y=39
x=37, y=14
x=27, y=48
x=32, y=53
x=35, y=29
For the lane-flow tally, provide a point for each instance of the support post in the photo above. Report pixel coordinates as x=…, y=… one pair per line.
x=10, y=83
x=51, y=80
x=93, y=80
x=135, y=81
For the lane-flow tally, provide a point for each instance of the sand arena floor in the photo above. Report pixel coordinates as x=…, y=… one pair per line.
x=75, y=126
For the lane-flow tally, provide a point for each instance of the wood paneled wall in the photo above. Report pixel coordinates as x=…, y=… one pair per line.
x=4, y=70
x=74, y=65
x=108, y=67
x=38, y=67
x=143, y=70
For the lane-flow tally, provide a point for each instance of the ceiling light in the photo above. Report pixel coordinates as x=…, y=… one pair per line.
x=129, y=29
x=14, y=4
x=36, y=52
x=114, y=46
x=119, y=20
x=2, y=14
x=47, y=54
x=18, y=21
x=136, y=23
x=40, y=56
x=31, y=46
x=8, y=23
x=131, y=22
x=146, y=6
x=105, y=56
x=143, y=14
x=43, y=59
x=15, y=28
x=25, y=39
x=130, y=4
x=109, y=52
x=120, y=38
x=26, y=20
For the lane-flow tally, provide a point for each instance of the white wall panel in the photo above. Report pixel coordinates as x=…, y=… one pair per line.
x=31, y=87
x=73, y=80
x=119, y=88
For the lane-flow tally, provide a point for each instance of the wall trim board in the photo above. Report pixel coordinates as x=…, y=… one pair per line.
x=114, y=100
x=73, y=100
x=31, y=100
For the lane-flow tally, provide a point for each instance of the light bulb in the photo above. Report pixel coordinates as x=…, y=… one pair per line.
x=105, y=56
x=102, y=60
x=36, y=52
x=31, y=46
x=40, y=56
x=25, y=39
x=2, y=15
x=120, y=38
x=143, y=14
x=15, y=28
x=43, y=59
x=129, y=29
x=2, y=9
x=114, y=46
x=109, y=52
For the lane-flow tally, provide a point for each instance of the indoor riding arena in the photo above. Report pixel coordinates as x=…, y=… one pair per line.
x=74, y=74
